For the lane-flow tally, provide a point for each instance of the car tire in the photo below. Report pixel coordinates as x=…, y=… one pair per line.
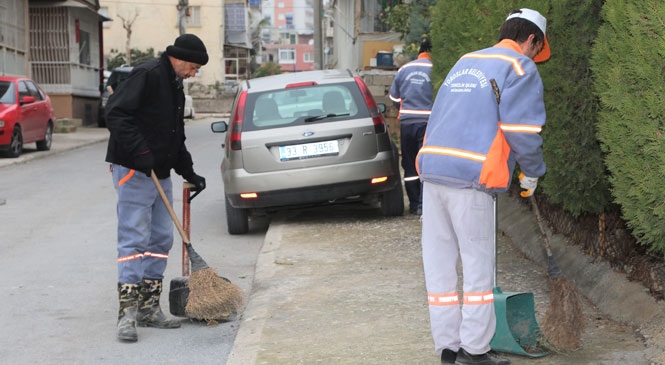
x=16, y=143
x=237, y=219
x=392, y=202
x=45, y=144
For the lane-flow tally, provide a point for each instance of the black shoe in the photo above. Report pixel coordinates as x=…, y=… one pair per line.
x=465, y=358
x=418, y=211
x=448, y=356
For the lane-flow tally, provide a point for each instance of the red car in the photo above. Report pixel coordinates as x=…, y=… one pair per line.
x=26, y=115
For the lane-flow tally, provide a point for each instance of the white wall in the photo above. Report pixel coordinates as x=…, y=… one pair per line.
x=156, y=26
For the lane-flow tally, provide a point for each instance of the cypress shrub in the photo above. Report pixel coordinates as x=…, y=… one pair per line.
x=576, y=178
x=628, y=60
x=462, y=26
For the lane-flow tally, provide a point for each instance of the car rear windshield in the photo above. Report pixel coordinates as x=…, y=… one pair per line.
x=6, y=92
x=117, y=77
x=303, y=105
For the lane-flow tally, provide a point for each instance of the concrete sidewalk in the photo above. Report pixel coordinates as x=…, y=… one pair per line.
x=346, y=286
x=61, y=142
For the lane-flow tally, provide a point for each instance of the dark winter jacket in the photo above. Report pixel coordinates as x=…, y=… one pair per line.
x=146, y=114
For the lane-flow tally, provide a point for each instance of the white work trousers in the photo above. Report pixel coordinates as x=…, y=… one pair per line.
x=459, y=221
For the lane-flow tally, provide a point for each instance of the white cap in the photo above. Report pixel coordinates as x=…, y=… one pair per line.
x=540, y=21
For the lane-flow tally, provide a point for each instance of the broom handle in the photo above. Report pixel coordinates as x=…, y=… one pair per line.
x=541, y=225
x=182, y=232
x=494, y=236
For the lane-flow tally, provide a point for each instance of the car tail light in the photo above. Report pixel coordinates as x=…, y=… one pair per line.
x=236, y=122
x=249, y=195
x=374, y=112
x=379, y=180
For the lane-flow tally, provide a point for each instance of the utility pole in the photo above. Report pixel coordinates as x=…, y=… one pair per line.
x=318, y=46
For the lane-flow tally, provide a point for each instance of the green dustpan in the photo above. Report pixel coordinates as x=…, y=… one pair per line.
x=517, y=331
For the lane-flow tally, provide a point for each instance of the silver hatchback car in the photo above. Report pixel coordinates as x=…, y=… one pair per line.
x=304, y=139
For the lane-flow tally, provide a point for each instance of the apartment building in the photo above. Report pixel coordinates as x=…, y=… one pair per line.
x=221, y=24
x=57, y=44
x=288, y=36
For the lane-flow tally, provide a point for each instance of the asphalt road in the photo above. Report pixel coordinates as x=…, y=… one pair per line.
x=58, y=292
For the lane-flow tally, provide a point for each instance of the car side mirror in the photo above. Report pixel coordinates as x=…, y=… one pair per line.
x=27, y=100
x=382, y=107
x=219, y=127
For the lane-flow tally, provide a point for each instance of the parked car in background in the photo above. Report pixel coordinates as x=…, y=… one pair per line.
x=189, y=107
x=303, y=139
x=26, y=116
x=118, y=75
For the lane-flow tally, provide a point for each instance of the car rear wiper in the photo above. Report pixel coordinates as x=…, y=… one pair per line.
x=324, y=116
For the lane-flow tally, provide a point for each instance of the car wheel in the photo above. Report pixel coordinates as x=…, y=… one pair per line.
x=45, y=144
x=16, y=144
x=392, y=202
x=237, y=219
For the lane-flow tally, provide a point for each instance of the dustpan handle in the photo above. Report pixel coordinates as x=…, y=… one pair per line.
x=183, y=235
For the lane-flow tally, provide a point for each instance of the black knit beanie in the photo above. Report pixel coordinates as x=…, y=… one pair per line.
x=190, y=48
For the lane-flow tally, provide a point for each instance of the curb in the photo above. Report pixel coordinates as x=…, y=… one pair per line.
x=622, y=300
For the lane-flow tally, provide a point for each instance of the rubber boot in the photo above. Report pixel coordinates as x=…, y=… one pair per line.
x=150, y=314
x=128, y=294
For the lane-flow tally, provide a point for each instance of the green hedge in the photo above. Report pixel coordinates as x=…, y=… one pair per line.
x=628, y=63
x=605, y=100
x=576, y=177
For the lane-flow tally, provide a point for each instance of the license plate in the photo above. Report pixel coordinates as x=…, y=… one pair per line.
x=308, y=150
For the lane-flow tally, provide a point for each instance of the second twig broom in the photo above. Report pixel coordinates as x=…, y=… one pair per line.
x=211, y=297
x=564, y=319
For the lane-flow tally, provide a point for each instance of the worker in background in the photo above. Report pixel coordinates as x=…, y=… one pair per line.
x=146, y=119
x=411, y=92
x=475, y=136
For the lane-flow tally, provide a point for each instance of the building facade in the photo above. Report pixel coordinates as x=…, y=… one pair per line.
x=56, y=43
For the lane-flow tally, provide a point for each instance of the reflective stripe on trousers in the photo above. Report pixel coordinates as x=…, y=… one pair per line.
x=145, y=229
x=459, y=221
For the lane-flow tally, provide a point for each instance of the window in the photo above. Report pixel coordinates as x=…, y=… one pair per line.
x=308, y=57
x=193, y=18
x=289, y=107
x=236, y=62
x=84, y=48
x=287, y=56
x=22, y=90
x=6, y=92
x=288, y=38
x=34, y=91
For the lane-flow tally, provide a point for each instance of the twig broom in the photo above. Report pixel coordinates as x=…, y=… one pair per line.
x=564, y=319
x=211, y=297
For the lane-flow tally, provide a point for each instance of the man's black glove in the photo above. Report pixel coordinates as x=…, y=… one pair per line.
x=198, y=181
x=144, y=162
